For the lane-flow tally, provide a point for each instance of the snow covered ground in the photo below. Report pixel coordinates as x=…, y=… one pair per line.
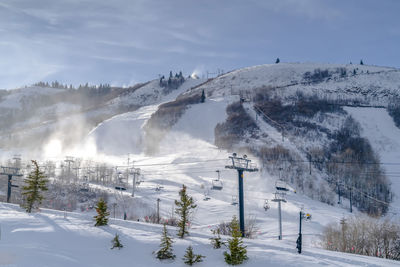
x=379, y=128
x=50, y=238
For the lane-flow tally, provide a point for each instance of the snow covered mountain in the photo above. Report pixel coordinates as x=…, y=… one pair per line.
x=317, y=128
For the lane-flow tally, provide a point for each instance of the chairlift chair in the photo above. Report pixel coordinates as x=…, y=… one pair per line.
x=217, y=183
x=159, y=187
x=234, y=200
x=266, y=205
x=281, y=185
x=120, y=188
x=206, y=196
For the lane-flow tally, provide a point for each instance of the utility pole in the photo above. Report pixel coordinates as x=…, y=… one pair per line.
x=69, y=160
x=338, y=189
x=351, y=203
x=343, y=223
x=77, y=173
x=158, y=210
x=136, y=173
x=309, y=161
x=114, y=204
x=241, y=165
x=10, y=172
x=299, y=239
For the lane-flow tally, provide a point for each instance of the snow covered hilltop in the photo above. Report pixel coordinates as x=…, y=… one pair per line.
x=328, y=133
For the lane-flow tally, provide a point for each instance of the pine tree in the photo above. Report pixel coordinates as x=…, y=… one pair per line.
x=190, y=258
x=361, y=62
x=36, y=183
x=184, y=209
x=102, y=213
x=165, y=251
x=238, y=252
x=277, y=60
x=216, y=241
x=116, y=243
x=203, y=96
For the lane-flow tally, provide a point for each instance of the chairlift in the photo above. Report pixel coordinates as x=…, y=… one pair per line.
x=206, y=195
x=281, y=185
x=120, y=188
x=159, y=187
x=266, y=205
x=84, y=187
x=308, y=216
x=217, y=183
x=234, y=200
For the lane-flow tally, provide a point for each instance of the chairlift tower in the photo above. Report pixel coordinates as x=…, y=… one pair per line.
x=135, y=172
x=280, y=197
x=241, y=165
x=17, y=161
x=10, y=172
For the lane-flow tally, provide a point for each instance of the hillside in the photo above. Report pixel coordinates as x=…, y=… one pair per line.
x=316, y=128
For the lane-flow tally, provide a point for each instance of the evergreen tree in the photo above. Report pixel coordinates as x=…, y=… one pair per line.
x=203, y=96
x=184, y=209
x=36, y=183
x=190, y=258
x=102, y=213
x=354, y=72
x=277, y=61
x=116, y=243
x=165, y=251
x=238, y=252
x=216, y=241
x=361, y=62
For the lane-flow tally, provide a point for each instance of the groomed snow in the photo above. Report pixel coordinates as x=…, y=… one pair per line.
x=48, y=238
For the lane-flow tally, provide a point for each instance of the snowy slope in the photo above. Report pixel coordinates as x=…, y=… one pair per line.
x=123, y=133
x=376, y=83
x=14, y=98
x=152, y=93
x=49, y=239
x=384, y=137
x=188, y=156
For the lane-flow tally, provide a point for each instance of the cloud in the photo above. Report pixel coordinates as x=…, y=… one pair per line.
x=102, y=40
x=311, y=9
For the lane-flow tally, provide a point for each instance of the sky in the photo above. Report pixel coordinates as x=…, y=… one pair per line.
x=124, y=42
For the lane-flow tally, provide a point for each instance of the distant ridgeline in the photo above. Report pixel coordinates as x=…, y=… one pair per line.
x=98, y=89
